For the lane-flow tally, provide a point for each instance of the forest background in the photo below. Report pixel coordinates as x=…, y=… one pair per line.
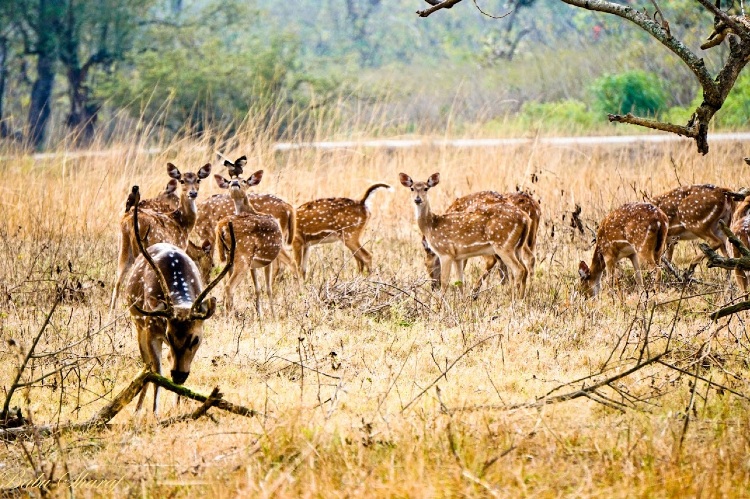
x=75, y=70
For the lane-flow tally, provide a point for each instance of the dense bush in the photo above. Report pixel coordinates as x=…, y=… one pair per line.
x=636, y=92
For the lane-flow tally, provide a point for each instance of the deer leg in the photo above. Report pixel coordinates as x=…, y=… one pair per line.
x=256, y=286
x=235, y=274
x=268, y=271
x=363, y=257
x=149, y=343
x=517, y=269
x=716, y=242
x=460, y=265
x=299, y=250
x=637, y=269
x=529, y=259
x=489, y=263
x=446, y=263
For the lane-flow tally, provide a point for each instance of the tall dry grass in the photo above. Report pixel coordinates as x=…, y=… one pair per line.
x=364, y=416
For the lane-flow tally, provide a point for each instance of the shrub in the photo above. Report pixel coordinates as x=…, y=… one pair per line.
x=635, y=92
x=563, y=113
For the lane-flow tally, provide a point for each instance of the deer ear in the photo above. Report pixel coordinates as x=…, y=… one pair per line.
x=221, y=181
x=241, y=161
x=207, y=308
x=433, y=180
x=228, y=163
x=405, y=180
x=154, y=304
x=255, y=178
x=206, y=247
x=425, y=244
x=173, y=172
x=171, y=186
x=205, y=171
x=584, y=271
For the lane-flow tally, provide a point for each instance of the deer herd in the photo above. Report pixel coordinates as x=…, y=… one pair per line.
x=168, y=243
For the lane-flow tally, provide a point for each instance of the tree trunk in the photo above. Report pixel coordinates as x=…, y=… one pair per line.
x=41, y=91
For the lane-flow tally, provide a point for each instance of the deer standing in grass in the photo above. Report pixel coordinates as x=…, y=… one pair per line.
x=741, y=228
x=695, y=212
x=173, y=227
x=168, y=304
x=220, y=206
x=258, y=236
x=481, y=200
x=329, y=220
x=499, y=230
x=637, y=231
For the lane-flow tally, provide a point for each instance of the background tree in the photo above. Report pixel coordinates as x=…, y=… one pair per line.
x=734, y=28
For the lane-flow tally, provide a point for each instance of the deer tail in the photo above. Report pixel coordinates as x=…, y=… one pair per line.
x=372, y=189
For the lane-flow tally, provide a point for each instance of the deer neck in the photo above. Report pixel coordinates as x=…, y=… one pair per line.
x=597, y=267
x=425, y=218
x=187, y=212
x=241, y=204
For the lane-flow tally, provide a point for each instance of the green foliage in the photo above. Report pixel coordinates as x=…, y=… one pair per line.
x=636, y=92
x=558, y=114
x=196, y=81
x=735, y=112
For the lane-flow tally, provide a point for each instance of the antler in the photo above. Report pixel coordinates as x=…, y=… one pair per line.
x=196, y=305
x=168, y=310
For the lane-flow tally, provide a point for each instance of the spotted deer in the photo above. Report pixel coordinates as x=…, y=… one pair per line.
x=695, y=212
x=500, y=230
x=741, y=228
x=328, y=220
x=165, y=202
x=258, y=237
x=637, y=231
x=480, y=200
x=220, y=206
x=156, y=227
x=168, y=304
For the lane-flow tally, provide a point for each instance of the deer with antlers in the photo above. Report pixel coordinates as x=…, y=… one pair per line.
x=481, y=200
x=173, y=227
x=329, y=220
x=259, y=238
x=168, y=304
x=219, y=206
x=696, y=212
x=637, y=231
x=500, y=230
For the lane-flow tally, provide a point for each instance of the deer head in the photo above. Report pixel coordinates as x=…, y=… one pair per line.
x=419, y=189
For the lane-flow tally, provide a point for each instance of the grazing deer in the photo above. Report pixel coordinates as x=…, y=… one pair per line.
x=480, y=200
x=165, y=202
x=258, y=236
x=695, y=212
x=168, y=304
x=220, y=206
x=635, y=230
x=328, y=220
x=157, y=227
x=741, y=228
x=498, y=230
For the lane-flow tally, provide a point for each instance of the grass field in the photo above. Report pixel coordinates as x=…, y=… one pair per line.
x=401, y=392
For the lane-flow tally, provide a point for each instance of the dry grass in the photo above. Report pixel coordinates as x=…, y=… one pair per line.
x=354, y=423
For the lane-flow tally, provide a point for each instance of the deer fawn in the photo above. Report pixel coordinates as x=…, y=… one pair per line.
x=330, y=219
x=168, y=304
x=165, y=202
x=635, y=230
x=481, y=200
x=498, y=230
x=259, y=238
x=695, y=212
x=741, y=228
x=156, y=227
x=221, y=206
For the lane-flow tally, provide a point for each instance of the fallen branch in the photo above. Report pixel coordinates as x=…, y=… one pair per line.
x=109, y=411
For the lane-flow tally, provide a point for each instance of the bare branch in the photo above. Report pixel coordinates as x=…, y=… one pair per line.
x=447, y=4
x=653, y=124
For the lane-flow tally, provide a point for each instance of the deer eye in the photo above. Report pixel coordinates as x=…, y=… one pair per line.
x=182, y=181
x=412, y=189
x=194, y=343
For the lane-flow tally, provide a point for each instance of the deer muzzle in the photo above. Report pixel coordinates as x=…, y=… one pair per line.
x=417, y=200
x=179, y=377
